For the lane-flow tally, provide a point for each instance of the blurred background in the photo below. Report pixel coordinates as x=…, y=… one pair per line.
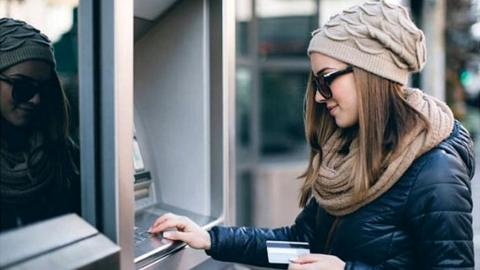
x=271, y=77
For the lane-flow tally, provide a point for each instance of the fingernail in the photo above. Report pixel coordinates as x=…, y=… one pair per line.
x=294, y=259
x=167, y=234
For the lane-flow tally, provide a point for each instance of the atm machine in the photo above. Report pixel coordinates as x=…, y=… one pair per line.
x=183, y=99
x=183, y=108
x=162, y=89
x=156, y=91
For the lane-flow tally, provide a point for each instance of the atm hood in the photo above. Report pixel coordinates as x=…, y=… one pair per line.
x=146, y=12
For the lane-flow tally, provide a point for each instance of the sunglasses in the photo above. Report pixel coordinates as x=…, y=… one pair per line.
x=321, y=83
x=25, y=88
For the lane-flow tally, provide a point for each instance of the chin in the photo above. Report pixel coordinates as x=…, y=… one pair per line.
x=344, y=124
x=19, y=122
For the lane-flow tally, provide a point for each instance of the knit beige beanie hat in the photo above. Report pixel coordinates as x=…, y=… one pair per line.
x=20, y=42
x=376, y=36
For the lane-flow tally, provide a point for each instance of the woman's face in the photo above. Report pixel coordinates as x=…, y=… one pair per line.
x=343, y=105
x=20, y=114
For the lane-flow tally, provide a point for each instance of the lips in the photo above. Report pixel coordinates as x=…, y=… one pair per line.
x=331, y=109
x=27, y=110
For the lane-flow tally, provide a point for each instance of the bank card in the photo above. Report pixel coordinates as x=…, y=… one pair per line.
x=283, y=251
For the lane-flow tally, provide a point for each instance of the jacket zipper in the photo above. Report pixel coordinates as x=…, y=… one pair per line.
x=330, y=235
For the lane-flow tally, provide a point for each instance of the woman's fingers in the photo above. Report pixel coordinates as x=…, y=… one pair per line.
x=308, y=258
x=198, y=239
x=176, y=235
x=186, y=237
x=295, y=266
x=317, y=261
x=187, y=231
x=167, y=221
x=162, y=219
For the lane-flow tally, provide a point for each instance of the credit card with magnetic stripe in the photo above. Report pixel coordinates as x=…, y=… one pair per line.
x=283, y=251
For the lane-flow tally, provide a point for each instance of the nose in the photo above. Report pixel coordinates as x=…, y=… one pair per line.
x=35, y=99
x=319, y=98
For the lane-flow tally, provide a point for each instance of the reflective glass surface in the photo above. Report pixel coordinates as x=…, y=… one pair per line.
x=282, y=112
x=284, y=27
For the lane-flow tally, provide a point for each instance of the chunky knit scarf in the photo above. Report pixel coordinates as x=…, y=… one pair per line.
x=333, y=188
x=27, y=175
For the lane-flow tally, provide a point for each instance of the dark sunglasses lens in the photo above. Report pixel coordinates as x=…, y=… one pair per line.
x=326, y=92
x=23, y=91
x=322, y=87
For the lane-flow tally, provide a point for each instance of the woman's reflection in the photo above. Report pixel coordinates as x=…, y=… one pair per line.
x=39, y=173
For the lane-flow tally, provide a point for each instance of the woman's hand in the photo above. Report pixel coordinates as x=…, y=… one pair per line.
x=187, y=231
x=316, y=262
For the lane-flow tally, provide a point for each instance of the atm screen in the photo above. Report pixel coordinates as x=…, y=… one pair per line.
x=138, y=164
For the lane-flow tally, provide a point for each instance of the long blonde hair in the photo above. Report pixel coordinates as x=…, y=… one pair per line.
x=385, y=118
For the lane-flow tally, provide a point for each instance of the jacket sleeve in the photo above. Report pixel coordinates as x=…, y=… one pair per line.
x=355, y=265
x=248, y=245
x=438, y=213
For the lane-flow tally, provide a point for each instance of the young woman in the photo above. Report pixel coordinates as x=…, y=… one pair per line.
x=39, y=175
x=388, y=180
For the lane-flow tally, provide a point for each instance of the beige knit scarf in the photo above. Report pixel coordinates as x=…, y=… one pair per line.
x=333, y=188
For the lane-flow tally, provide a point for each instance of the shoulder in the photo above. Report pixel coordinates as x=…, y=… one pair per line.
x=443, y=174
x=450, y=161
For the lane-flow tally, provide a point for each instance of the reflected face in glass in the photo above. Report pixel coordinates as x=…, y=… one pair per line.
x=343, y=104
x=20, y=113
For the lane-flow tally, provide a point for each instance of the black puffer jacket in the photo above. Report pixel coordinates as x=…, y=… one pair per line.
x=423, y=222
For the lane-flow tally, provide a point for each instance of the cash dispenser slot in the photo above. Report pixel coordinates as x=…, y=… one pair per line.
x=143, y=182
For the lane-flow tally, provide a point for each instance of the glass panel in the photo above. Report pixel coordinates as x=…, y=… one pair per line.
x=244, y=197
x=282, y=113
x=285, y=27
x=244, y=17
x=243, y=112
x=31, y=153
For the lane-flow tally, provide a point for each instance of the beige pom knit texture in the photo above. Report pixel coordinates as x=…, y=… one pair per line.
x=376, y=36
